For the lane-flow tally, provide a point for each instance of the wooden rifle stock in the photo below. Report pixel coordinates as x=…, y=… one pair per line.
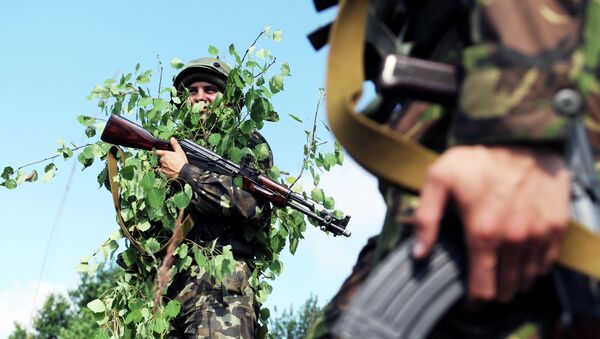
x=120, y=131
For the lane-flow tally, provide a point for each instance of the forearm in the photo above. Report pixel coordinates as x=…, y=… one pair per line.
x=217, y=195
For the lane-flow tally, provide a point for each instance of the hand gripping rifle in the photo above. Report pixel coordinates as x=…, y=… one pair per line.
x=405, y=298
x=122, y=132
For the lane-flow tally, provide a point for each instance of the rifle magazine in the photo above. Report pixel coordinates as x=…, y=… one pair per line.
x=404, y=298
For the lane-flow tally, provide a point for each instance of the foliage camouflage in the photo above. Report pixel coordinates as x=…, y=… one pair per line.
x=150, y=202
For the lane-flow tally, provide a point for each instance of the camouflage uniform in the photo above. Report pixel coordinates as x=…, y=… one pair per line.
x=512, y=56
x=230, y=215
x=226, y=213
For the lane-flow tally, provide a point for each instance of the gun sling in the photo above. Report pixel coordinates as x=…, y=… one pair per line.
x=405, y=161
x=179, y=233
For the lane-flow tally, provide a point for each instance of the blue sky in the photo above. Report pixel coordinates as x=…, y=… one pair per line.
x=55, y=52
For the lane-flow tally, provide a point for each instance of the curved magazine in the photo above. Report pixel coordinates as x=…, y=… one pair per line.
x=404, y=298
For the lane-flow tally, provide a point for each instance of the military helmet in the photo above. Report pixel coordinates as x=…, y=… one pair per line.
x=207, y=69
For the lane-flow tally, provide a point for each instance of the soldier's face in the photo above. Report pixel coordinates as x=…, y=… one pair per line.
x=202, y=91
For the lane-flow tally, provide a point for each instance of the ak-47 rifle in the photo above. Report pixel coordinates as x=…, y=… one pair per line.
x=122, y=132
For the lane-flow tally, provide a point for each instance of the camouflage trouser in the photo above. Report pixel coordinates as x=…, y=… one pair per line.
x=214, y=310
x=534, y=314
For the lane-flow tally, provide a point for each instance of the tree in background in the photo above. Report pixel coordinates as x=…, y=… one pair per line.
x=68, y=317
x=294, y=324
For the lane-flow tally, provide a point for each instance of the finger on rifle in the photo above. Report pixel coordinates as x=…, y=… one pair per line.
x=432, y=204
x=509, y=271
x=533, y=263
x=482, y=248
x=175, y=144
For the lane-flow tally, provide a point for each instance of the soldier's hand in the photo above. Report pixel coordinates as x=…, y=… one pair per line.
x=514, y=203
x=172, y=162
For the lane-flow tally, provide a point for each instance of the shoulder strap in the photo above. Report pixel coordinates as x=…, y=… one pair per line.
x=179, y=233
x=111, y=166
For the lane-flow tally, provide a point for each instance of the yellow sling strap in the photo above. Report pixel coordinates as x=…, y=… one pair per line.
x=390, y=155
x=179, y=232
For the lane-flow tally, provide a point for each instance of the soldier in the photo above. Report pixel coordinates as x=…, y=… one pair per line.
x=503, y=144
x=223, y=212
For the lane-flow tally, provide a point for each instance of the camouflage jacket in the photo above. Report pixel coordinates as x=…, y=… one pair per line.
x=223, y=210
x=512, y=56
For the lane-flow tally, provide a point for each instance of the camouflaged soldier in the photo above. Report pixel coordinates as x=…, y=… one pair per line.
x=222, y=211
x=503, y=143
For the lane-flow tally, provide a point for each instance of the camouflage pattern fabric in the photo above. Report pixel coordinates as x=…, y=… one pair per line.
x=228, y=214
x=213, y=310
x=225, y=209
x=513, y=56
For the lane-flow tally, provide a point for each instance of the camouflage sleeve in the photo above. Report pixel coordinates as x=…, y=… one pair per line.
x=523, y=52
x=217, y=195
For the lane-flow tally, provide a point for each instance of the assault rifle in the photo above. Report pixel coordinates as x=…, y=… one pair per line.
x=405, y=298
x=122, y=132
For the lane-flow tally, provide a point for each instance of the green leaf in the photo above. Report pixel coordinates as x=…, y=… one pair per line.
x=247, y=152
x=97, y=306
x=181, y=199
x=294, y=244
x=176, y=63
x=155, y=197
x=285, y=69
x=274, y=172
x=10, y=184
x=97, y=151
x=261, y=53
x=129, y=256
x=276, y=84
x=161, y=326
x=152, y=245
x=328, y=203
x=173, y=307
x=143, y=226
x=183, y=250
x=127, y=172
x=200, y=258
x=135, y=316
x=276, y=266
x=145, y=313
x=212, y=50
x=197, y=108
x=261, y=151
x=90, y=131
x=50, y=172
x=295, y=118
x=146, y=101
x=86, y=120
x=267, y=30
x=277, y=35
x=235, y=154
x=317, y=195
x=7, y=172
x=214, y=139
x=247, y=126
x=147, y=181
x=265, y=314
